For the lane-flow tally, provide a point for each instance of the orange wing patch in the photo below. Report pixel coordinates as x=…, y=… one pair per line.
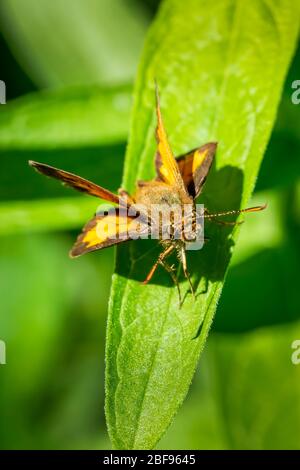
x=166, y=167
x=107, y=230
x=194, y=167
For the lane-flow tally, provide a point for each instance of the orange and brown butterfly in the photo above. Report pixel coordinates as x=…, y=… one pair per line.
x=178, y=181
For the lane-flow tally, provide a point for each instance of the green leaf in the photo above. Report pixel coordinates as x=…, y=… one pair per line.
x=71, y=117
x=220, y=69
x=75, y=42
x=199, y=424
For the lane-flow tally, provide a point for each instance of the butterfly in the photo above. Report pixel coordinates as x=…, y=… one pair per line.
x=178, y=183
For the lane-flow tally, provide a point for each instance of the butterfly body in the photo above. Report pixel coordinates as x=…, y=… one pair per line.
x=153, y=192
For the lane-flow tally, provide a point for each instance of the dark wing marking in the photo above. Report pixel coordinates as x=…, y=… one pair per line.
x=194, y=167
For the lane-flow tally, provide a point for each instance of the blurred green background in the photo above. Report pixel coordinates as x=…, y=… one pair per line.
x=69, y=68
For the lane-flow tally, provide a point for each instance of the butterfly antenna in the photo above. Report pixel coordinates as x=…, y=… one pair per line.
x=239, y=211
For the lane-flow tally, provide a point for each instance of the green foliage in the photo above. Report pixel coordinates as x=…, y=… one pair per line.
x=45, y=215
x=75, y=42
x=216, y=83
x=68, y=118
x=50, y=310
x=245, y=395
x=266, y=262
x=79, y=129
x=258, y=388
x=53, y=310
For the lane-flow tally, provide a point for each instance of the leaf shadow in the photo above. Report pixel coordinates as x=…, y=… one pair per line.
x=222, y=191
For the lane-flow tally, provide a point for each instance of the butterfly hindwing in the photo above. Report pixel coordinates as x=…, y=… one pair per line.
x=194, y=167
x=106, y=230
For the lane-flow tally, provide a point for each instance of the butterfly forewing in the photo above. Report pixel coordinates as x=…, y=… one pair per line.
x=166, y=166
x=76, y=182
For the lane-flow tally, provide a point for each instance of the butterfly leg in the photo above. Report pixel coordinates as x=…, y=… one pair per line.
x=160, y=260
x=185, y=270
x=170, y=270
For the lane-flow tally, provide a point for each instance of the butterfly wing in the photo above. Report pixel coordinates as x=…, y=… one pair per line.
x=76, y=182
x=106, y=230
x=165, y=163
x=194, y=167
